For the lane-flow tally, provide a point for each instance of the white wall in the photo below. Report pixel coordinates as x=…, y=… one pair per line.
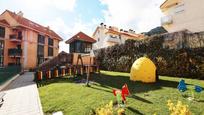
x=102, y=43
x=191, y=18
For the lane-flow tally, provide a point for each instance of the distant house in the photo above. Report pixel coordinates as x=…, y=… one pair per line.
x=24, y=42
x=80, y=43
x=183, y=15
x=109, y=36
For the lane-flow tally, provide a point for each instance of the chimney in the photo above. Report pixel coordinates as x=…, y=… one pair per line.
x=20, y=13
x=104, y=26
x=101, y=24
x=48, y=27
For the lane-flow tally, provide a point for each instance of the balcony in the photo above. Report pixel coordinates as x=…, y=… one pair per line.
x=14, y=52
x=15, y=38
x=113, y=39
x=167, y=20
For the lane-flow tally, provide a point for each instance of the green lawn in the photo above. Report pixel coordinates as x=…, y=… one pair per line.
x=75, y=99
x=8, y=72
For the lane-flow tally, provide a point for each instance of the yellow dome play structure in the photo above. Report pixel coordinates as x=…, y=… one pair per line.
x=143, y=69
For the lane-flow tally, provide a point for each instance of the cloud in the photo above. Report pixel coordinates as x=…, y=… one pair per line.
x=141, y=15
x=67, y=31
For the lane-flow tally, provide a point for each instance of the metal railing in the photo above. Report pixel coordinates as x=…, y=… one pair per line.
x=15, y=52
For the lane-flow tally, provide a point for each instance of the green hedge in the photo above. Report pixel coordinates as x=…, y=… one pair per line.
x=8, y=72
x=177, y=57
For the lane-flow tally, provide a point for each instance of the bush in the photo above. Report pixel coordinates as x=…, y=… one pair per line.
x=173, y=54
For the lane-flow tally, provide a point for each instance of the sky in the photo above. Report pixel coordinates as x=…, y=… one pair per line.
x=68, y=17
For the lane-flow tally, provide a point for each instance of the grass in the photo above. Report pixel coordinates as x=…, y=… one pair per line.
x=75, y=99
x=8, y=72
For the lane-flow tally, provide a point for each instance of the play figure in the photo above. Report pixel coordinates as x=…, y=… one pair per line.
x=121, y=95
x=182, y=86
x=198, y=89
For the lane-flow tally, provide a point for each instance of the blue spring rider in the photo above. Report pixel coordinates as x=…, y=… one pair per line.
x=198, y=89
x=182, y=86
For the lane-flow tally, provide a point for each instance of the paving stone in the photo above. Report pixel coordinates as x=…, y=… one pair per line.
x=22, y=97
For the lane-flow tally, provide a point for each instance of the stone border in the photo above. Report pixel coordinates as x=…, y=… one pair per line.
x=3, y=86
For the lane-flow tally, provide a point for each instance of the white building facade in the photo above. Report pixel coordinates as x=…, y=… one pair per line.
x=183, y=15
x=109, y=36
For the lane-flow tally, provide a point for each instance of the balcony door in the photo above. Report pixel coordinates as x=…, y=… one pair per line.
x=1, y=53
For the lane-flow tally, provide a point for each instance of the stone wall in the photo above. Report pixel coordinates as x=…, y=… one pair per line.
x=178, y=54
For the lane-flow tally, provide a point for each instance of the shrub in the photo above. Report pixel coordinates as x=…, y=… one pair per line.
x=178, y=109
x=173, y=54
x=109, y=110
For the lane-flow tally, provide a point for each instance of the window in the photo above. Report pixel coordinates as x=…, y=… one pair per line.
x=87, y=48
x=18, y=46
x=179, y=8
x=40, y=50
x=41, y=39
x=1, y=53
x=50, y=51
x=2, y=32
x=50, y=42
x=40, y=60
x=78, y=47
x=40, y=54
x=20, y=35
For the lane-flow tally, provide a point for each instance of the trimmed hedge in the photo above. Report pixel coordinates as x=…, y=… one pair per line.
x=178, y=54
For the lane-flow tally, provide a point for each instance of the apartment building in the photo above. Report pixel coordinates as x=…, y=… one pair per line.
x=24, y=42
x=109, y=36
x=183, y=15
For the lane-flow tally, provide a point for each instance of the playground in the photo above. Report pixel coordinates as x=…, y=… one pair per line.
x=71, y=96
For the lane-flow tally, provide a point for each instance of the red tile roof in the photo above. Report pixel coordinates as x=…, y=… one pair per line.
x=32, y=25
x=80, y=36
x=133, y=35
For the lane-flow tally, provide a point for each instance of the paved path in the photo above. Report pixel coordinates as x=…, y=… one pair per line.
x=22, y=97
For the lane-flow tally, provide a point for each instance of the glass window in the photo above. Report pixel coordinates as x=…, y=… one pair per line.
x=179, y=8
x=2, y=32
x=41, y=39
x=40, y=50
x=78, y=47
x=50, y=41
x=40, y=60
x=1, y=53
x=50, y=51
x=87, y=48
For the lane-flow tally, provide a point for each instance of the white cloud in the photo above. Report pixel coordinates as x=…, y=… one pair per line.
x=67, y=31
x=141, y=15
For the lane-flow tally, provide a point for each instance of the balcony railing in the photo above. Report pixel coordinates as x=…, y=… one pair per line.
x=112, y=39
x=15, y=37
x=166, y=20
x=14, y=52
